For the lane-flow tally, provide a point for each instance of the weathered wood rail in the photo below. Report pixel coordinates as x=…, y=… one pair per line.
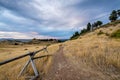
x=31, y=60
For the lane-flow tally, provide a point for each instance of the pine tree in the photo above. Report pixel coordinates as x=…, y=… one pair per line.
x=88, y=27
x=113, y=16
x=99, y=23
x=118, y=12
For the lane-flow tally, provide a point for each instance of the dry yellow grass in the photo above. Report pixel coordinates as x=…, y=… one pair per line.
x=11, y=70
x=92, y=53
x=98, y=52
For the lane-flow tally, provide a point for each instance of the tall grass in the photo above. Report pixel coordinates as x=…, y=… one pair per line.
x=101, y=53
x=11, y=70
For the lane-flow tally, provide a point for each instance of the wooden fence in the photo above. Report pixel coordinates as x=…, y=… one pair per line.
x=31, y=60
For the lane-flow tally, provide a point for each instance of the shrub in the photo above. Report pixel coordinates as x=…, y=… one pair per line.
x=75, y=35
x=116, y=34
x=100, y=32
x=83, y=31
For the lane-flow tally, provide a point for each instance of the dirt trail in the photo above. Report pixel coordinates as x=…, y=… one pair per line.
x=62, y=69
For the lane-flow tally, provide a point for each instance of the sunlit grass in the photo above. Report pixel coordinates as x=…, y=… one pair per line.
x=100, y=52
x=11, y=70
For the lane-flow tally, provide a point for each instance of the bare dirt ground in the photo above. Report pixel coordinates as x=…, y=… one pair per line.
x=63, y=69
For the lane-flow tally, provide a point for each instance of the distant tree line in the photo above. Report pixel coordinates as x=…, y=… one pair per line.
x=88, y=28
x=115, y=14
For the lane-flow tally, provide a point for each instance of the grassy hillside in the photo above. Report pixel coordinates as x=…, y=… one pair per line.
x=98, y=52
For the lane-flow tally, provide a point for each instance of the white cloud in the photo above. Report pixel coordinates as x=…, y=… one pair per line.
x=44, y=16
x=19, y=35
x=57, y=14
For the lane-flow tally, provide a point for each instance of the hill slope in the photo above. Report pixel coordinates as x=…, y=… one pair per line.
x=93, y=56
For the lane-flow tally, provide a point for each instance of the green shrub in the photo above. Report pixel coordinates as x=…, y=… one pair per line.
x=100, y=32
x=116, y=34
x=75, y=35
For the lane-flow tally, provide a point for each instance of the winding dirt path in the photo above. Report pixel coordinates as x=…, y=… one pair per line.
x=62, y=69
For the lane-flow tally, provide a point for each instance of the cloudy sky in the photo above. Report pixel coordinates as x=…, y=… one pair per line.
x=26, y=19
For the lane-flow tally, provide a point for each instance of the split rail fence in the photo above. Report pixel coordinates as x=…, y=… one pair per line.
x=31, y=60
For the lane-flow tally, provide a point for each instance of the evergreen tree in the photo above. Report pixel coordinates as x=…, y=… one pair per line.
x=113, y=16
x=118, y=12
x=75, y=35
x=83, y=31
x=99, y=23
x=88, y=27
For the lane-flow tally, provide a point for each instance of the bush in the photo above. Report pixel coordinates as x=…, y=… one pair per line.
x=75, y=35
x=116, y=34
x=83, y=31
x=100, y=32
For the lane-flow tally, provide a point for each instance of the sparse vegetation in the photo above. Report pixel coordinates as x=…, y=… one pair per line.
x=87, y=29
x=100, y=32
x=115, y=14
x=99, y=54
x=116, y=34
x=111, y=24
